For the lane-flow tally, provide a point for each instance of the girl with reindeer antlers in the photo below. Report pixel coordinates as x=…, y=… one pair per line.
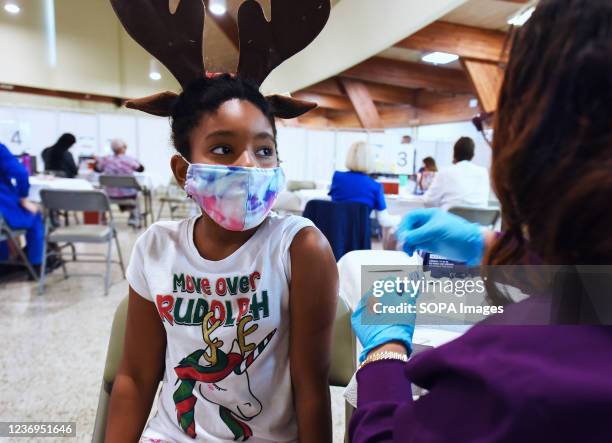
x=233, y=309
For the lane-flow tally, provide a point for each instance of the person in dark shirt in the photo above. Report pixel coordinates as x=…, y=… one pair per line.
x=57, y=158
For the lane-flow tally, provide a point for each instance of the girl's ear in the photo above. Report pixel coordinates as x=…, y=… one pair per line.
x=179, y=168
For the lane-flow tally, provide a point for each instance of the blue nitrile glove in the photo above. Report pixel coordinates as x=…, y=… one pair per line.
x=441, y=233
x=373, y=335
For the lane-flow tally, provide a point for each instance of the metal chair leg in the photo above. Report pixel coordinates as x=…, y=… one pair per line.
x=119, y=253
x=150, y=210
x=72, y=247
x=43, y=266
x=63, y=262
x=108, y=266
x=161, y=206
x=25, y=260
x=147, y=208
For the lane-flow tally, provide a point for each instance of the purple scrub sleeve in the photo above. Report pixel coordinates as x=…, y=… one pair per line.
x=493, y=384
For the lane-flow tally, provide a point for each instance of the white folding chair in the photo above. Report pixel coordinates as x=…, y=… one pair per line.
x=483, y=216
x=66, y=236
x=174, y=197
x=129, y=182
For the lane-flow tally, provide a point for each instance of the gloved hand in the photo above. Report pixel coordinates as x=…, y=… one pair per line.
x=373, y=335
x=441, y=233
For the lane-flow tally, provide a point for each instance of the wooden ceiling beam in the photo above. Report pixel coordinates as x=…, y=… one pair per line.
x=391, y=94
x=465, y=41
x=410, y=75
x=380, y=93
x=487, y=79
x=436, y=108
x=361, y=99
x=329, y=86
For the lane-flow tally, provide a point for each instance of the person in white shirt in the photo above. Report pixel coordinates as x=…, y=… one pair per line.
x=462, y=184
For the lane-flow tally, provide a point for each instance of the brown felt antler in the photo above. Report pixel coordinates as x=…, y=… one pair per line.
x=266, y=44
x=173, y=37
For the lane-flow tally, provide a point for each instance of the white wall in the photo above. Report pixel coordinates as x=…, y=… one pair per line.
x=27, y=129
x=92, y=51
x=27, y=125
x=315, y=154
x=438, y=141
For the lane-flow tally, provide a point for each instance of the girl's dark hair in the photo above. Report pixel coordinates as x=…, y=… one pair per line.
x=206, y=95
x=552, y=149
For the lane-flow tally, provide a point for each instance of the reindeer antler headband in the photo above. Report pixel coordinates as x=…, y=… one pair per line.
x=175, y=37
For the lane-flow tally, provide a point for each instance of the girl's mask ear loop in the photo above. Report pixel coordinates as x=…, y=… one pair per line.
x=188, y=164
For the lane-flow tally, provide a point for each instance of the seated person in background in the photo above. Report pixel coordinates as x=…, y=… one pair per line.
x=58, y=159
x=17, y=211
x=121, y=164
x=355, y=185
x=462, y=184
x=426, y=174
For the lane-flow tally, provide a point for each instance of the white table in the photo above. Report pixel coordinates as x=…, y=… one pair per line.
x=401, y=205
x=143, y=179
x=39, y=182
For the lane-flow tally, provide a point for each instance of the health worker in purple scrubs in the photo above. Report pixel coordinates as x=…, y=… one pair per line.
x=504, y=381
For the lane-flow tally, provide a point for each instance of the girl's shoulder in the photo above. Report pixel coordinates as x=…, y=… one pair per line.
x=282, y=229
x=277, y=223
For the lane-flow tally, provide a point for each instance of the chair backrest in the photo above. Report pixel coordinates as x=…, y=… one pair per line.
x=93, y=201
x=346, y=225
x=296, y=185
x=120, y=181
x=483, y=216
x=115, y=345
x=113, y=358
x=343, y=363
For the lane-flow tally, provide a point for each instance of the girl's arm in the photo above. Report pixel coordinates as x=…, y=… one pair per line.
x=141, y=369
x=314, y=293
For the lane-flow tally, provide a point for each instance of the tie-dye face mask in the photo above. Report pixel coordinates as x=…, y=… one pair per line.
x=237, y=198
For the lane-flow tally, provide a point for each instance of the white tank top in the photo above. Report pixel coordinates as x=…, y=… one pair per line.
x=227, y=374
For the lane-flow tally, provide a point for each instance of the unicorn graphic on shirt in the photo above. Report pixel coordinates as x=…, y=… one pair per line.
x=223, y=380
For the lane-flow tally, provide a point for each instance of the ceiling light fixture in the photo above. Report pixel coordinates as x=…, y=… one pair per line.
x=12, y=8
x=217, y=7
x=440, y=58
x=521, y=17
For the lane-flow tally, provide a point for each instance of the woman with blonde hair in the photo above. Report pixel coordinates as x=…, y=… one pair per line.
x=355, y=185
